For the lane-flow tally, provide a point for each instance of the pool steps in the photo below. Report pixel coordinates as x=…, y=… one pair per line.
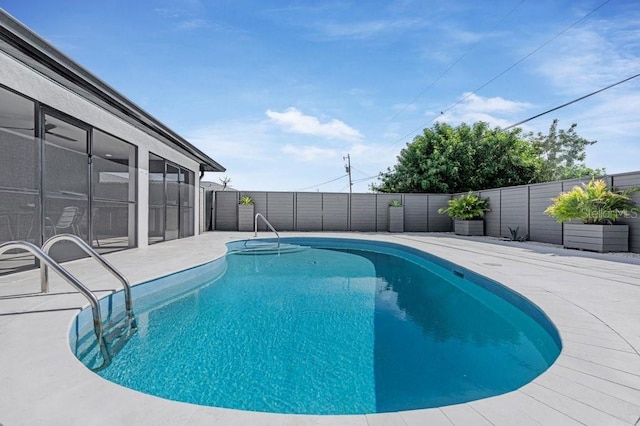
x=265, y=248
x=109, y=337
x=117, y=332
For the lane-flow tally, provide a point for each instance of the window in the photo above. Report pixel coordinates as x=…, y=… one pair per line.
x=171, y=200
x=83, y=183
x=113, y=178
x=19, y=177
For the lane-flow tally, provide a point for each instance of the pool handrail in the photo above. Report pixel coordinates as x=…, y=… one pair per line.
x=47, y=261
x=255, y=226
x=44, y=276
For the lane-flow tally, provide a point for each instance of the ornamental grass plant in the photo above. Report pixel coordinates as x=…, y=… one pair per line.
x=466, y=207
x=245, y=200
x=594, y=203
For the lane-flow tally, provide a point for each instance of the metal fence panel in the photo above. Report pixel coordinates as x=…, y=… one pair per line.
x=567, y=185
x=382, y=210
x=514, y=211
x=226, y=207
x=625, y=181
x=439, y=222
x=416, y=212
x=280, y=210
x=308, y=211
x=260, y=206
x=363, y=212
x=492, y=217
x=543, y=227
x=335, y=212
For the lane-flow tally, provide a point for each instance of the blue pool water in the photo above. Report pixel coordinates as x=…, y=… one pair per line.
x=345, y=327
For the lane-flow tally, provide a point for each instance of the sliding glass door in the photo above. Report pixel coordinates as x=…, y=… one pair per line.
x=66, y=182
x=171, y=200
x=60, y=175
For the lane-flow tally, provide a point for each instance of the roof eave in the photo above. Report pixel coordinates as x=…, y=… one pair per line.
x=62, y=69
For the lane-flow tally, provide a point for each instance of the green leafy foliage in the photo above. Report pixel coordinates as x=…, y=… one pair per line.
x=466, y=207
x=562, y=153
x=395, y=203
x=515, y=234
x=593, y=203
x=245, y=200
x=447, y=159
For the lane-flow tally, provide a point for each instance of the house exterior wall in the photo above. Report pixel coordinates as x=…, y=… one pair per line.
x=19, y=77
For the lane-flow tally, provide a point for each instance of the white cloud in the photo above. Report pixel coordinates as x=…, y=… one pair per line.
x=309, y=153
x=359, y=149
x=294, y=121
x=404, y=107
x=497, y=104
x=192, y=24
x=591, y=56
x=232, y=141
x=496, y=111
x=368, y=29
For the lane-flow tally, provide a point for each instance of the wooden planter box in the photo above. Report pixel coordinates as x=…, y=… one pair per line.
x=469, y=227
x=396, y=219
x=245, y=217
x=601, y=238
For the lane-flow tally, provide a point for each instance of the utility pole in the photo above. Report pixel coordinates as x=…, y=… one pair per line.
x=347, y=167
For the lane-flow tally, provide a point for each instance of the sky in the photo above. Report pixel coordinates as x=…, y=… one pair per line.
x=280, y=91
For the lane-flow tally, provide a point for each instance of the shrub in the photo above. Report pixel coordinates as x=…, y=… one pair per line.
x=245, y=200
x=466, y=207
x=593, y=203
x=395, y=203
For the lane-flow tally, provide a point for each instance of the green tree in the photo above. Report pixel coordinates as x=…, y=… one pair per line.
x=447, y=159
x=562, y=153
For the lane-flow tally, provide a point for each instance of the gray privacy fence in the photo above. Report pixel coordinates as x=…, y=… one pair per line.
x=519, y=207
x=523, y=207
x=320, y=211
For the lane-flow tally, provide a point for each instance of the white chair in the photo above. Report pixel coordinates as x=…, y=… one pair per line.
x=67, y=222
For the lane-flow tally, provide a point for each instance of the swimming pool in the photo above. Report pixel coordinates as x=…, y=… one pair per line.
x=345, y=327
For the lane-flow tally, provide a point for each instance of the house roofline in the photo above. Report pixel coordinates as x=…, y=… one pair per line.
x=34, y=51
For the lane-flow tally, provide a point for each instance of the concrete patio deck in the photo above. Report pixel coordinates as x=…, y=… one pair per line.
x=593, y=299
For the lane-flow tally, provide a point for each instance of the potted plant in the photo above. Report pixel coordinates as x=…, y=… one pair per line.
x=396, y=216
x=598, y=207
x=467, y=211
x=245, y=213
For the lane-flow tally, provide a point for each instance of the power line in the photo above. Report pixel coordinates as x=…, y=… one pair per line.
x=343, y=188
x=320, y=184
x=347, y=168
x=571, y=102
x=509, y=68
x=367, y=178
x=360, y=171
x=443, y=73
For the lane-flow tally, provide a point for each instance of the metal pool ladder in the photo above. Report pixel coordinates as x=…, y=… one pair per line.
x=255, y=226
x=118, y=330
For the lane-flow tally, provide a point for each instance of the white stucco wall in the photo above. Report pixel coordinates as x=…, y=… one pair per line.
x=31, y=83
